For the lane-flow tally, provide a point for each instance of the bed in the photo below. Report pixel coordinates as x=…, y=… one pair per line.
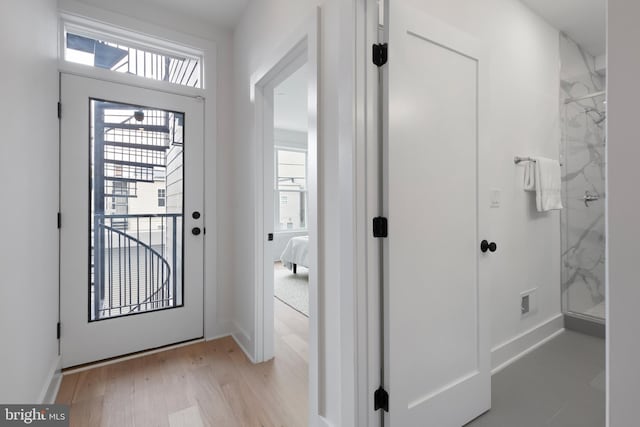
x=296, y=253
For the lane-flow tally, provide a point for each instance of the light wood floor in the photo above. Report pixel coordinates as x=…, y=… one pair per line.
x=204, y=384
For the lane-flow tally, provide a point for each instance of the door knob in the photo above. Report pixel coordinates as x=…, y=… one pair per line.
x=195, y=231
x=486, y=246
x=195, y=215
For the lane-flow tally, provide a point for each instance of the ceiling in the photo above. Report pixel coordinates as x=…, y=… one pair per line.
x=225, y=13
x=290, y=102
x=582, y=20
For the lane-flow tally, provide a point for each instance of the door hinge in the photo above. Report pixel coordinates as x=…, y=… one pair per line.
x=381, y=399
x=59, y=110
x=58, y=330
x=59, y=220
x=380, y=54
x=380, y=227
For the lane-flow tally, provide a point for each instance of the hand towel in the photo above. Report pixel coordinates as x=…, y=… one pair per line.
x=548, y=184
x=529, y=183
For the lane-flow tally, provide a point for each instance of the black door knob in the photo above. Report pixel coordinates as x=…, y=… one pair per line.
x=486, y=246
x=195, y=231
x=195, y=215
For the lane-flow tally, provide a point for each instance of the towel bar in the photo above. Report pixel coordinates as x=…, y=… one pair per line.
x=519, y=159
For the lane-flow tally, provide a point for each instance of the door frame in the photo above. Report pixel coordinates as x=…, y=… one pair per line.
x=301, y=43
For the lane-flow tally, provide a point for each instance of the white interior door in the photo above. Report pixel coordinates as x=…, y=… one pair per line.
x=132, y=218
x=437, y=354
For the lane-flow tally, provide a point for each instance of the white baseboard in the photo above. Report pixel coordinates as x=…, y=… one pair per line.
x=217, y=337
x=323, y=422
x=243, y=340
x=52, y=383
x=508, y=352
x=222, y=329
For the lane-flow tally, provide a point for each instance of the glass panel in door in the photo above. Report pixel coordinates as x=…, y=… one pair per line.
x=136, y=216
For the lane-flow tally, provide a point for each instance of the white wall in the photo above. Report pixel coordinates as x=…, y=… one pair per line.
x=524, y=121
x=264, y=26
x=216, y=42
x=623, y=227
x=29, y=194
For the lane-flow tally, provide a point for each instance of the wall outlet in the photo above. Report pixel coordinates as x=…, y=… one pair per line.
x=528, y=304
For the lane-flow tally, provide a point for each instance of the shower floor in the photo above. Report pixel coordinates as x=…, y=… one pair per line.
x=560, y=384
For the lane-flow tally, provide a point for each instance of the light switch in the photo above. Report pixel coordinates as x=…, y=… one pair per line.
x=495, y=198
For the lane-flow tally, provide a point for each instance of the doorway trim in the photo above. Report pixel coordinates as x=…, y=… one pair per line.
x=301, y=43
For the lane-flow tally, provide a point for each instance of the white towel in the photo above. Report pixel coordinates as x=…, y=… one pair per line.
x=529, y=183
x=544, y=176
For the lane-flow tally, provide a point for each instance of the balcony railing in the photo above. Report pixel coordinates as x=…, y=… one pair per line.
x=136, y=264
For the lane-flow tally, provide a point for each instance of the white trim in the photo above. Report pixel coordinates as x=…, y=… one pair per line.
x=304, y=41
x=522, y=344
x=323, y=422
x=92, y=28
x=243, y=347
x=129, y=80
x=366, y=316
x=243, y=338
x=52, y=384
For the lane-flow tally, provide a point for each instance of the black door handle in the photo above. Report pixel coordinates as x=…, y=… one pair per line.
x=486, y=246
x=195, y=215
x=195, y=231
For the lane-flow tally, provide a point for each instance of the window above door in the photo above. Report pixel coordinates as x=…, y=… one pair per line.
x=122, y=51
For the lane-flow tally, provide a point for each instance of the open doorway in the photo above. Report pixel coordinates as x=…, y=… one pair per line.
x=290, y=248
x=285, y=100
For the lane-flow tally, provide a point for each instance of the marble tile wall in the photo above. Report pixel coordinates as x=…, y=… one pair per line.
x=583, y=154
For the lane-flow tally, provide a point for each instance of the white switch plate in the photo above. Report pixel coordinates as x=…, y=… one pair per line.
x=495, y=197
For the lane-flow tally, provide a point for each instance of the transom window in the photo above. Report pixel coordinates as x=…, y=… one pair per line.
x=113, y=53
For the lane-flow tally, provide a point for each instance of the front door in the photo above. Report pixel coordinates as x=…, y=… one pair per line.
x=132, y=219
x=437, y=355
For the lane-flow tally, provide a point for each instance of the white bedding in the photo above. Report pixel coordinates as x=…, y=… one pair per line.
x=296, y=252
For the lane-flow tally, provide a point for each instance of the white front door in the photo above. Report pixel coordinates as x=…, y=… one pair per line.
x=437, y=352
x=132, y=219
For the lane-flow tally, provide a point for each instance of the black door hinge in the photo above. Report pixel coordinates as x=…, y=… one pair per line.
x=380, y=54
x=380, y=227
x=381, y=399
x=58, y=330
x=59, y=220
x=59, y=110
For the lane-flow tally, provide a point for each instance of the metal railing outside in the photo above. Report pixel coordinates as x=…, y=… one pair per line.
x=138, y=268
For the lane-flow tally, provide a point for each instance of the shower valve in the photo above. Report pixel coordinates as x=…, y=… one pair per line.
x=590, y=197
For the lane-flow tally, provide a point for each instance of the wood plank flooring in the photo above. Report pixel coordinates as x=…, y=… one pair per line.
x=204, y=384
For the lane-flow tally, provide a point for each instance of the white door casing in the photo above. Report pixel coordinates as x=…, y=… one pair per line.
x=83, y=341
x=437, y=351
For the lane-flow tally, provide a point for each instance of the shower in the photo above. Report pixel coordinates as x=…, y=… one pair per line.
x=597, y=116
x=583, y=138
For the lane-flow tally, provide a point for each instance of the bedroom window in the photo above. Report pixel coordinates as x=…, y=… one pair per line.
x=290, y=189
